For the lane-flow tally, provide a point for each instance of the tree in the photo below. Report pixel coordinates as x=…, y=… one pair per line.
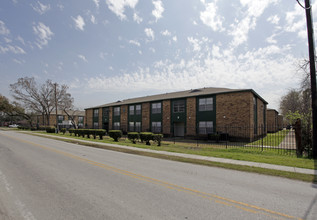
x=41, y=98
x=14, y=111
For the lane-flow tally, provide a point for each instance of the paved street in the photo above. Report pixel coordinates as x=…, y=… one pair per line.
x=47, y=179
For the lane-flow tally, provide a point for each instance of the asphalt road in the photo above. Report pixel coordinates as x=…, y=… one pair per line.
x=46, y=179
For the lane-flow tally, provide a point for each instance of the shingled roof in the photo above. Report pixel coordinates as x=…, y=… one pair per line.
x=176, y=95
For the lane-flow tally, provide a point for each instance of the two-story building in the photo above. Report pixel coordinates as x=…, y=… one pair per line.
x=186, y=113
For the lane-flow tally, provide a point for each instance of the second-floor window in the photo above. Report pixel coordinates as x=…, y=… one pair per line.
x=205, y=104
x=96, y=113
x=156, y=108
x=131, y=110
x=179, y=106
x=138, y=109
x=116, y=111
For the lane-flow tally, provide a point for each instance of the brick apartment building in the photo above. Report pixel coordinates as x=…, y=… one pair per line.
x=63, y=119
x=272, y=121
x=186, y=113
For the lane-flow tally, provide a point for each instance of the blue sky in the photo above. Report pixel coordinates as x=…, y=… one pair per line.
x=108, y=50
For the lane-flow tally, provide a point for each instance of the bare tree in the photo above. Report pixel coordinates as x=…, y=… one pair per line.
x=41, y=98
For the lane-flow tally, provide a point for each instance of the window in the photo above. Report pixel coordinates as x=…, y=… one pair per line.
x=206, y=104
x=116, y=125
x=179, y=106
x=205, y=127
x=96, y=125
x=131, y=126
x=138, y=109
x=131, y=110
x=116, y=111
x=96, y=113
x=137, y=126
x=156, y=127
x=80, y=119
x=60, y=118
x=156, y=108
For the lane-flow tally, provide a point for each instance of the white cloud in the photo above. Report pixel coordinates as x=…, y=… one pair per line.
x=79, y=22
x=93, y=19
x=137, y=18
x=152, y=49
x=3, y=29
x=295, y=20
x=211, y=17
x=60, y=6
x=18, y=61
x=96, y=3
x=166, y=33
x=82, y=57
x=271, y=39
x=158, y=9
x=21, y=40
x=43, y=33
x=267, y=70
x=274, y=19
x=251, y=11
x=118, y=6
x=195, y=43
x=41, y=8
x=135, y=42
x=7, y=40
x=174, y=39
x=149, y=33
x=11, y=49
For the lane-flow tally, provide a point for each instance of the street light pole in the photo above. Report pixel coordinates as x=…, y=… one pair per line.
x=311, y=47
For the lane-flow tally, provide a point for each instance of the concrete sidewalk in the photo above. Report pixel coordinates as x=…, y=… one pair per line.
x=198, y=157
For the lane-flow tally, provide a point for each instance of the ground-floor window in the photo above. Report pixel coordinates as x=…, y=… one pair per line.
x=156, y=127
x=131, y=126
x=138, y=126
x=116, y=125
x=205, y=127
x=96, y=125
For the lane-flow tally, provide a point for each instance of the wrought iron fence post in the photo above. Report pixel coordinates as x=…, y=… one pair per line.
x=226, y=137
x=262, y=136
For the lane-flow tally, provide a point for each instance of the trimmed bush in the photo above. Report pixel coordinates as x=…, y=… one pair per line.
x=147, y=137
x=157, y=138
x=71, y=131
x=63, y=130
x=115, y=134
x=100, y=133
x=133, y=136
x=50, y=129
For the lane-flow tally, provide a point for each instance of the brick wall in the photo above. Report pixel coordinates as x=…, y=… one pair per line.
x=234, y=110
x=110, y=118
x=166, y=120
x=280, y=122
x=100, y=122
x=145, y=116
x=89, y=118
x=272, y=120
x=124, y=118
x=191, y=116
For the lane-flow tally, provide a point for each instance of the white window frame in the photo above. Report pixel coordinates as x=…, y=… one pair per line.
x=138, y=110
x=116, y=125
x=137, y=126
x=156, y=126
x=131, y=110
x=179, y=106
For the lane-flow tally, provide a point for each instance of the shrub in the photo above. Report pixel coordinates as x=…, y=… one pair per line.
x=71, y=131
x=133, y=136
x=147, y=137
x=100, y=133
x=157, y=138
x=63, y=130
x=115, y=134
x=50, y=129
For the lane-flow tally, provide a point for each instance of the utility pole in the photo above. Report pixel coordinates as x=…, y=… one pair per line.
x=311, y=47
x=56, y=108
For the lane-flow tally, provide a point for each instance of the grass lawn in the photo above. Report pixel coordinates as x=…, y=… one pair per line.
x=272, y=139
x=239, y=153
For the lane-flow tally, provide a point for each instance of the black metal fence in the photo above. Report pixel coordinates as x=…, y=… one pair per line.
x=279, y=140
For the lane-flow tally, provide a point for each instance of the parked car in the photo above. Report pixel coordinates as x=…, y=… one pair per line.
x=13, y=126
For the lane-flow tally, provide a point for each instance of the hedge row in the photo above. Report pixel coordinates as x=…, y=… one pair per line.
x=88, y=132
x=145, y=137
